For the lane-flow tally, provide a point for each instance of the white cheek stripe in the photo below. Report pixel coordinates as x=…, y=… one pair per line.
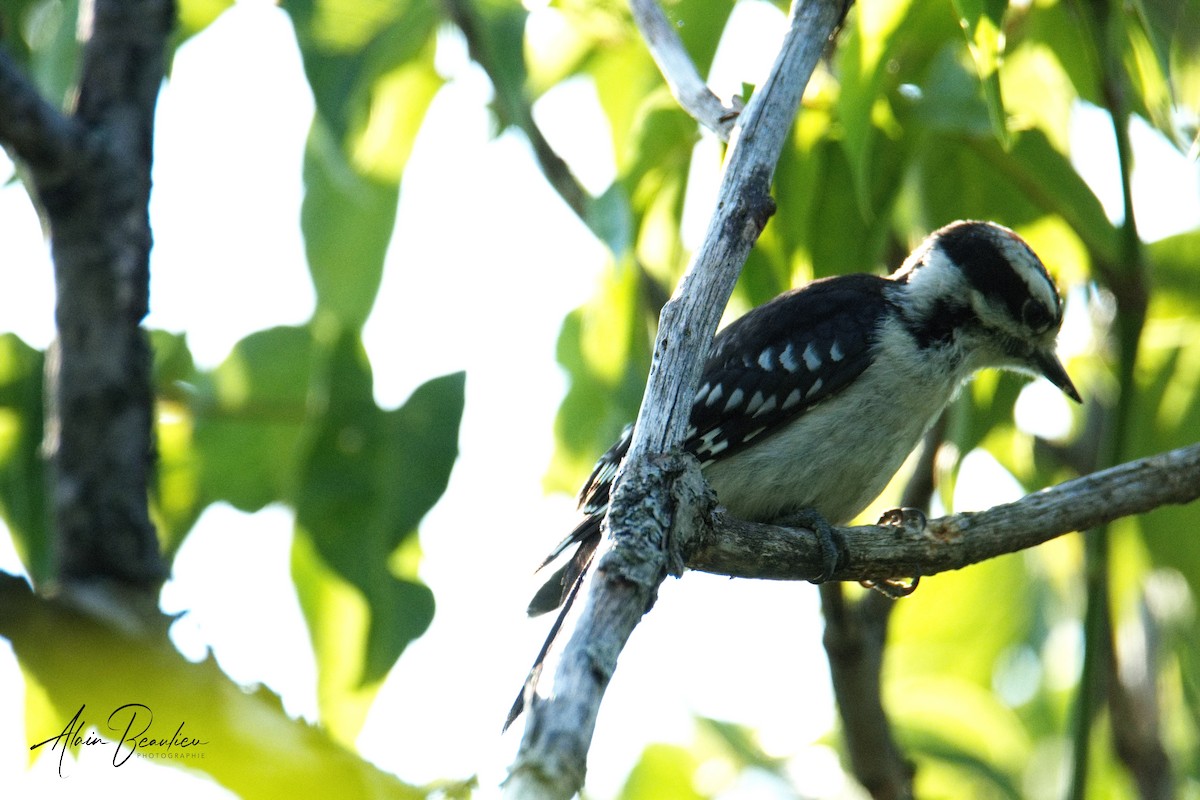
x=1029, y=269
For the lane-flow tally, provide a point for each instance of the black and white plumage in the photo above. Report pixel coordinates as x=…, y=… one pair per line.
x=812, y=401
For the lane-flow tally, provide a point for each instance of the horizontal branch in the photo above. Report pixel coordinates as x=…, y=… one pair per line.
x=753, y=550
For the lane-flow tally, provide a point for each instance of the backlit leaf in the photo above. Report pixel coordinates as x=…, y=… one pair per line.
x=23, y=501
x=366, y=480
x=249, y=414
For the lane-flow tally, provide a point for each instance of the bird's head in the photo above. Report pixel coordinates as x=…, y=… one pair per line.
x=978, y=288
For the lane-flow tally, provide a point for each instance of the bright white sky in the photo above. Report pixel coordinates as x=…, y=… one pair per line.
x=475, y=240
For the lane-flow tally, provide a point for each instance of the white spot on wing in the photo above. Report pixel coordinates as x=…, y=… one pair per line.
x=714, y=396
x=754, y=433
x=735, y=399
x=701, y=394
x=765, y=360
x=811, y=359
x=788, y=358
x=756, y=400
x=767, y=407
x=816, y=387
x=792, y=400
x=835, y=352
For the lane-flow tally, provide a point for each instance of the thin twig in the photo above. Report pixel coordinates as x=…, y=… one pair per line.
x=514, y=108
x=646, y=507
x=684, y=81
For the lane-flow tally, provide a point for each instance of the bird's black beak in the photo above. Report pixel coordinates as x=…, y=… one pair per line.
x=1049, y=365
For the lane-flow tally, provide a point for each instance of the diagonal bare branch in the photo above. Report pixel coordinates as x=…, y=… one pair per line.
x=652, y=503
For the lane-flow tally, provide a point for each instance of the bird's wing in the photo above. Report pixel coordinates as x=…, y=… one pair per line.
x=781, y=359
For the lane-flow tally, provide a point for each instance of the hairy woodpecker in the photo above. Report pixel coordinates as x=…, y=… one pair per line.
x=812, y=401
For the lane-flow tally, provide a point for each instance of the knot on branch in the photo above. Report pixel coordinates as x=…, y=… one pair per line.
x=755, y=207
x=659, y=514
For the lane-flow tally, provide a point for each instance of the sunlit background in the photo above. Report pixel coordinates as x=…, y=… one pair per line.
x=477, y=229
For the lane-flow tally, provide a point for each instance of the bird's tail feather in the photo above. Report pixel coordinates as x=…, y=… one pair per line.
x=571, y=575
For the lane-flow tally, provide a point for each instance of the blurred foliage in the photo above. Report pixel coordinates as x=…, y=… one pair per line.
x=288, y=417
x=247, y=743
x=923, y=113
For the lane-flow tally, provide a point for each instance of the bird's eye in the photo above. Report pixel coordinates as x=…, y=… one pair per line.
x=1036, y=316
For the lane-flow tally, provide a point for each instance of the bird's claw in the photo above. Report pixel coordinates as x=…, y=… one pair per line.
x=831, y=545
x=894, y=588
x=910, y=521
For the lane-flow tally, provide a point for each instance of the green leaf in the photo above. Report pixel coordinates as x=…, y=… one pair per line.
x=176, y=495
x=956, y=607
x=611, y=220
x=699, y=24
x=605, y=349
x=23, y=501
x=250, y=413
x=742, y=745
x=347, y=220
x=245, y=734
x=656, y=183
x=951, y=101
x=42, y=35
x=624, y=76
x=367, y=479
x=965, y=750
x=664, y=772
x=1038, y=92
x=1047, y=178
x=422, y=438
x=497, y=38
x=983, y=23
x=1164, y=41
x=350, y=46
x=351, y=190
x=862, y=69
x=1058, y=27
x=193, y=16
x=1177, y=279
x=370, y=65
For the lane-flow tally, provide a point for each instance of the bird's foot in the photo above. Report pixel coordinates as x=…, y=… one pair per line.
x=830, y=544
x=909, y=521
